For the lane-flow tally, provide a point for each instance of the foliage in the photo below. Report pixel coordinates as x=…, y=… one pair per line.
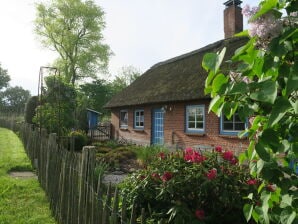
x=4, y=78
x=56, y=112
x=80, y=139
x=95, y=95
x=146, y=154
x=126, y=76
x=190, y=187
x=30, y=109
x=21, y=200
x=263, y=86
x=14, y=99
x=74, y=29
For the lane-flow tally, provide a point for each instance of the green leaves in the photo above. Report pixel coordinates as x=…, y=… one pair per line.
x=279, y=109
x=264, y=91
x=247, y=210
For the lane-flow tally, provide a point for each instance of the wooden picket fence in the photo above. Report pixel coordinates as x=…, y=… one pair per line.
x=69, y=181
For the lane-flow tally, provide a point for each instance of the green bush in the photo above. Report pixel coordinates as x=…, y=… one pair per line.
x=80, y=139
x=30, y=108
x=188, y=187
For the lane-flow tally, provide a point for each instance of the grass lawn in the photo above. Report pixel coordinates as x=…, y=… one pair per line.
x=21, y=200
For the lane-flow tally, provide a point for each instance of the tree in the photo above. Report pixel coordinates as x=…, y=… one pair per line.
x=264, y=88
x=14, y=99
x=126, y=76
x=73, y=28
x=4, y=78
x=56, y=112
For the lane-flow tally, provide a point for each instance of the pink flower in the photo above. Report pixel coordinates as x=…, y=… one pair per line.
x=228, y=155
x=218, y=149
x=167, y=176
x=251, y=182
x=212, y=174
x=191, y=155
x=200, y=214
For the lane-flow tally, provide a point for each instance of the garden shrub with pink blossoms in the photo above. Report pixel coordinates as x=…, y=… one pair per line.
x=191, y=187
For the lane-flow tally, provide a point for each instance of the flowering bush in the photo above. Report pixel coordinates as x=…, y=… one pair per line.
x=191, y=187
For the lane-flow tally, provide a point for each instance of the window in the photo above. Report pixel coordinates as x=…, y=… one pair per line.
x=139, y=119
x=123, y=118
x=195, y=119
x=232, y=126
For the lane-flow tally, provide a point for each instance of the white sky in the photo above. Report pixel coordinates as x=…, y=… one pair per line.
x=139, y=32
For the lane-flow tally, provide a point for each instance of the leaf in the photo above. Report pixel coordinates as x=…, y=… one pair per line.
x=271, y=138
x=216, y=104
x=265, y=7
x=238, y=88
x=264, y=91
x=292, y=83
x=280, y=108
x=287, y=216
x=247, y=210
x=209, y=61
x=286, y=201
x=218, y=82
x=262, y=152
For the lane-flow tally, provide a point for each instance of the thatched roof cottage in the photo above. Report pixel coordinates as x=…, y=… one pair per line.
x=167, y=104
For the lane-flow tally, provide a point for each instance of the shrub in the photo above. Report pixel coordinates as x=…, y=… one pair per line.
x=80, y=139
x=30, y=108
x=190, y=187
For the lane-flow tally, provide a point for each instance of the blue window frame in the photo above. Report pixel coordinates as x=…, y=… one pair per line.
x=232, y=126
x=139, y=119
x=195, y=119
x=123, y=118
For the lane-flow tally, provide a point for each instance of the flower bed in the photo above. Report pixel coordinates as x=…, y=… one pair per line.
x=191, y=187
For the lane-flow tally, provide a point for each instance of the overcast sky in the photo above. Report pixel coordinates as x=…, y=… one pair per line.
x=140, y=33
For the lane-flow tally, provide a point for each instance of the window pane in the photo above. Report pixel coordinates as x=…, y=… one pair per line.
x=228, y=126
x=191, y=118
x=191, y=125
x=199, y=125
x=239, y=126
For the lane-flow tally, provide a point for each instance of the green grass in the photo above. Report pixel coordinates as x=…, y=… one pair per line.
x=22, y=201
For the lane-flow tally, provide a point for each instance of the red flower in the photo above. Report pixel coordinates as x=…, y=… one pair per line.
x=191, y=155
x=234, y=161
x=212, y=174
x=155, y=176
x=162, y=155
x=228, y=155
x=218, y=149
x=167, y=176
x=251, y=182
x=200, y=214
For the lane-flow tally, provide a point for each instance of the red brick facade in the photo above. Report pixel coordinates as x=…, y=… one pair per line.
x=174, y=128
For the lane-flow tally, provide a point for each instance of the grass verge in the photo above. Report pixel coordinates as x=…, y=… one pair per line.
x=22, y=201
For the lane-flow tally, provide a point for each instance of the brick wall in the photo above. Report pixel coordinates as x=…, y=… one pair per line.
x=174, y=128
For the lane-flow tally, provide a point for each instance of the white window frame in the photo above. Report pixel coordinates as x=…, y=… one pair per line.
x=196, y=116
x=123, y=120
x=139, y=119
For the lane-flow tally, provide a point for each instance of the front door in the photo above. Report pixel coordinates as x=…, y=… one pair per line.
x=158, y=127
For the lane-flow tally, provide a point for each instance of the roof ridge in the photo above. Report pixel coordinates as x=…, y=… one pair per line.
x=205, y=48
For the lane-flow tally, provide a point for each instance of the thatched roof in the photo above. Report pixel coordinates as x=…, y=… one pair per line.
x=178, y=79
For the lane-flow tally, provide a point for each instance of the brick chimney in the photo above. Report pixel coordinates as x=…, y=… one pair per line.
x=233, y=18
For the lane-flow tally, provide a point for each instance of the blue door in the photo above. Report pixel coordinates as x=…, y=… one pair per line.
x=157, y=127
